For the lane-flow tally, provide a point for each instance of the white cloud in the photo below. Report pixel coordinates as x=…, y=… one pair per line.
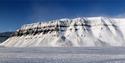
x=121, y=15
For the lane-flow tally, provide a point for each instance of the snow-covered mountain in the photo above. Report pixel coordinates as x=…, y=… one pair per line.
x=4, y=36
x=77, y=32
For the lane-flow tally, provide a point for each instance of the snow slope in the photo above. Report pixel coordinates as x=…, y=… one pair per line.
x=77, y=32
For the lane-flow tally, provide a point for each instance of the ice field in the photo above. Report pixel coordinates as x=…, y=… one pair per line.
x=63, y=55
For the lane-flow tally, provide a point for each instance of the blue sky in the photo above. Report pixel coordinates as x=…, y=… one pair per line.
x=15, y=13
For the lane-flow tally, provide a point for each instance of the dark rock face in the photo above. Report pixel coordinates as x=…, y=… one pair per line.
x=35, y=31
x=5, y=35
x=58, y=27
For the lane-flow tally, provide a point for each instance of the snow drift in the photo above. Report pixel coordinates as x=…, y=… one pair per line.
x=77, y=32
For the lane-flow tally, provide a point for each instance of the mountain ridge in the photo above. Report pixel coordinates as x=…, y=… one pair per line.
x=4, y=36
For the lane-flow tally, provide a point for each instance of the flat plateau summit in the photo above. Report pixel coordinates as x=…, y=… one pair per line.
x=77, y=32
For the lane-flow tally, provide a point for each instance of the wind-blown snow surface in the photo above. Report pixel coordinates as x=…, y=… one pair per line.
x=63, y=55
x=78, y=32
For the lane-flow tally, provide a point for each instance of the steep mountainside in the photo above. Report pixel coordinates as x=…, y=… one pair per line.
x=77, y=32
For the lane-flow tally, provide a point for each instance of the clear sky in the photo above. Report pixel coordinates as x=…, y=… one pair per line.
x=15, y=13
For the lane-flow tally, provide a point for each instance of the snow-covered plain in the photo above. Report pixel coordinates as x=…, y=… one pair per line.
x=63, y=55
